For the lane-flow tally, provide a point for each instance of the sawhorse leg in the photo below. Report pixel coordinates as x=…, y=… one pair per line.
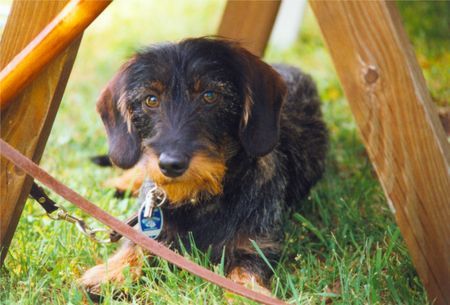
x=250, y=23
x=393, y=109
x=26, y=124
x=400, y=129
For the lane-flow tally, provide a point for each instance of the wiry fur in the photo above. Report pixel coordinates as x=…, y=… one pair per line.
x=258, y=149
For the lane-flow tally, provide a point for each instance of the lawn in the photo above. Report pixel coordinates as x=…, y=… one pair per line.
x=342, y=246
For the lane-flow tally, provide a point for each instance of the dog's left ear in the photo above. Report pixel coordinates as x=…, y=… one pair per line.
x=265, y=93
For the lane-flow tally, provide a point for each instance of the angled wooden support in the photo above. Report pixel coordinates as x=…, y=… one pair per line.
x=399, y=126
x=72, y=20
x=249, y=22
x=27, y=122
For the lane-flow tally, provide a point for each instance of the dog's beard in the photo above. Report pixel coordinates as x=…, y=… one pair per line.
x=203, y=178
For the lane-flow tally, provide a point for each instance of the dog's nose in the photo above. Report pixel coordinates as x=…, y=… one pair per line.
x=173, y=165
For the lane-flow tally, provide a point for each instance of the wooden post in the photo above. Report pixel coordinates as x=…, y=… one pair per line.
x=249, y=22
x=73, y=19
x=399, y=126
x=27, y=122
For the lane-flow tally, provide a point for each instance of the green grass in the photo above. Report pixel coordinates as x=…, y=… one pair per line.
x=341, y=247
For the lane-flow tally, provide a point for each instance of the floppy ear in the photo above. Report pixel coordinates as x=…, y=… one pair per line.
x=264, y=96
x=124, y=143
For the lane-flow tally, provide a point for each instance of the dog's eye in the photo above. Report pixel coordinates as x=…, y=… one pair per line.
x=210, y=96
x=151, y=101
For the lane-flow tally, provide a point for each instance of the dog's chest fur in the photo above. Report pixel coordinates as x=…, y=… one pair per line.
x=244, y=207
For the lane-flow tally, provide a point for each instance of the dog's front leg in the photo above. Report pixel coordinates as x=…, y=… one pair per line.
x=128, y=259
x=131, y=180
x=246, y=265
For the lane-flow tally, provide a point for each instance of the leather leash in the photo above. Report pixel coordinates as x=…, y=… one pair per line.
x=38, y=194
x=140, y=239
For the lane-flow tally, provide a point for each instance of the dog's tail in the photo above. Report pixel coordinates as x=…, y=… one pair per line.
x=102, y=160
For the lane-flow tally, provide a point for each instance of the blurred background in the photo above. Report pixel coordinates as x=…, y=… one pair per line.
x=342, y=246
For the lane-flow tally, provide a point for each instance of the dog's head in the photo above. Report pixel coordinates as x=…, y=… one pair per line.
x=189, y=107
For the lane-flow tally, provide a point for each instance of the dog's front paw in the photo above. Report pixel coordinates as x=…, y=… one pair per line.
x=248, y=280
x=93, y=278
x=128, y=260
x=130, y=181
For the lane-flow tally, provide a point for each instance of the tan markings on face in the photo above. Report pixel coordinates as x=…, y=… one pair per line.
x=137, y=93
x=157, y=86
x=204, y=175
x=197, y=86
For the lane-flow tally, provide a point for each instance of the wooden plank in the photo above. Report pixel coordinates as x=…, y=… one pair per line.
x=249, y=22
x=73, y=19
x=27, y=122
x=399, y=126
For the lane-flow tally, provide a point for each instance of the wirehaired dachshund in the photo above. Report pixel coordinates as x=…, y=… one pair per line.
x=233, y=142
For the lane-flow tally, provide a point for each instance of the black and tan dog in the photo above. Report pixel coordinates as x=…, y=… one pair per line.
x=232, y=140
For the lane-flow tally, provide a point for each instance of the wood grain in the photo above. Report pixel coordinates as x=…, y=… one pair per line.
x=68, y=24
x=249, y=22
x=399, y=126
x=27, y=122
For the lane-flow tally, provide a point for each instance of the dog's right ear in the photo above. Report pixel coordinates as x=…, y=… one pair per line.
x=265, y=93
x=124, y=143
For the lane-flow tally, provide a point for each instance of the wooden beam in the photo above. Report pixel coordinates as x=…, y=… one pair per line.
x=73, y=19
x=399, y=126
x=27, y=122
x=249, y=22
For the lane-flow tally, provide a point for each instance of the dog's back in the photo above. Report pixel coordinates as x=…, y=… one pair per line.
x=303, y=135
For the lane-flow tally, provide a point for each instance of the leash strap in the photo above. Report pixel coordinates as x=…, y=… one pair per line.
x=137, y=237
x=38, y=194
x=116, y=236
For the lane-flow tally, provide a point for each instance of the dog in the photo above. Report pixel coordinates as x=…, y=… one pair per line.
x=232, y=141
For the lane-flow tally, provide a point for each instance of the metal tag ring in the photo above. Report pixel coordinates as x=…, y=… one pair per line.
x=159, y=194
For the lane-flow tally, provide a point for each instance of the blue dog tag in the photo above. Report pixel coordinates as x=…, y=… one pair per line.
x=152, y=225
